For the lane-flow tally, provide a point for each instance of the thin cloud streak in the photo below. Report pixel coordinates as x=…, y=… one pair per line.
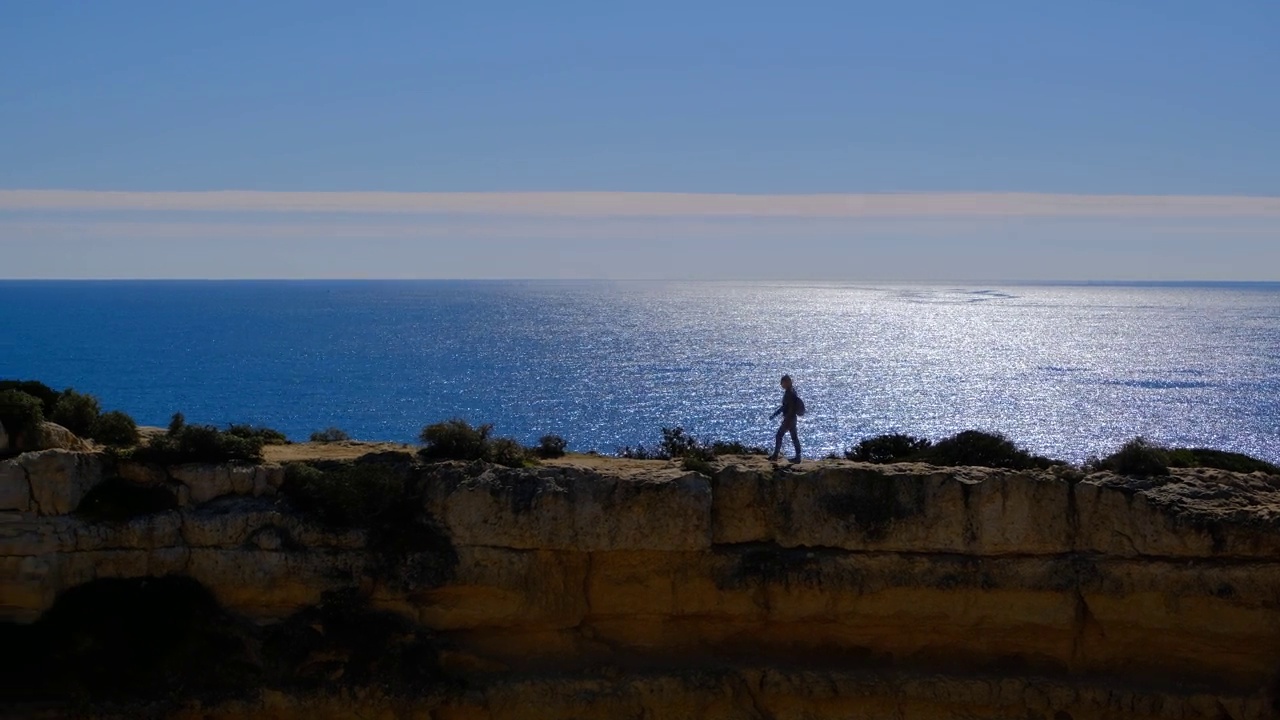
x=602, y=229
x=653, y=205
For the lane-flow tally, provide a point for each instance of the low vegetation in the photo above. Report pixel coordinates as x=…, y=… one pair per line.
x=24, y=404
x=456, y=439
x=1136, y=457
x=268, y=436
x=76, y=412
x=984, y=449
x=1219, y=459
x=678, y=444
x=185, y=443
x=550, y=447
x=20, y=413
x=971, y=447
x=36, y=389
x=380, y=495
x=329, y=435
x=115, y=429
x=890, y=448
x=1140, y=457
x=344, y=496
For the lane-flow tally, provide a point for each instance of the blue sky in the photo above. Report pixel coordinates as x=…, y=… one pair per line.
x=1103, y=99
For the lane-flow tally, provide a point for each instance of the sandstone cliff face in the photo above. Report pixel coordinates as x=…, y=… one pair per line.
x=824, y=590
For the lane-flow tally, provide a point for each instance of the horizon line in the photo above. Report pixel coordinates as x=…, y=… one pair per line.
x=980, y=281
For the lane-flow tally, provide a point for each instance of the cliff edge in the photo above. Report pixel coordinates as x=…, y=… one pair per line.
x=592, y=587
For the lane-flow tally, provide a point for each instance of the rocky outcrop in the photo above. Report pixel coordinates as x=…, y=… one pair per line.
x=45, y=436
x=642, y=590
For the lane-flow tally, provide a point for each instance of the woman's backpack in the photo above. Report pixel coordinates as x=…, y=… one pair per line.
x=799, y=406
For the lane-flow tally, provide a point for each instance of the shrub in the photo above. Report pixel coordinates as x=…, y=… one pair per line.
x=640, y=452
x=76, y=412
x=199, y=444
x=176, y=423
x=45, y=394
x=508, y=452
x=993, y=450
x=455, y=440
x=268, y=436
x=344, y=496
x=551, y=446
x=1219, y=459
x=676, y=443
x=20, y=413
x=407, y=549
x=720, y=447
x=329, y=435
x=115, y=428
x=889, y=448
x=1136, y=457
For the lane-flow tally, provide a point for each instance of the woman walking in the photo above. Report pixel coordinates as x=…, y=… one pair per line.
x=792, y=408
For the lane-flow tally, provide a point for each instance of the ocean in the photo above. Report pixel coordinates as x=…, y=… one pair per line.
x=1064, y=370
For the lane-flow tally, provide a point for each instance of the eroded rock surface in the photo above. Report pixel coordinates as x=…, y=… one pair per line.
x=830, y=589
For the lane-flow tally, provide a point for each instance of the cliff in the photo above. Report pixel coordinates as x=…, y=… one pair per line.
x=603, y=588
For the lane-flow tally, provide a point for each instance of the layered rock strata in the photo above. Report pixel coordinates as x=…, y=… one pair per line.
x=641, y=590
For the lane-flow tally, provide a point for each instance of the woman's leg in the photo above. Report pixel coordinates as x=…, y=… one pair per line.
x=795, y=438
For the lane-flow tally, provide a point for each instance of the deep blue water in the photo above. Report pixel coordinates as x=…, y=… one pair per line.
x=1066, y=370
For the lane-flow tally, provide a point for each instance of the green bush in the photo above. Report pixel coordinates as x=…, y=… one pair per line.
x=329, y=435
x=76, y=412
x=1136, y=457
x=1219, y=459
x=508, y=452
x=551, y=446
x=268, y=436
x=676, y=443
x=20, y=413
x=199, y=444
x=890, y=448
x=640, y=452
x=344, y=496
x=45, y=394
x=456, y=440
x=983, y=449
x=176, y=423
x=380, y=495
x=115, y=428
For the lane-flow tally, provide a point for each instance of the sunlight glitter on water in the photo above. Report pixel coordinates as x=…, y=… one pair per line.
x=1067, y=371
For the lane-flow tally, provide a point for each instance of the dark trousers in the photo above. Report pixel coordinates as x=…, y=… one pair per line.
x=788, y=425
